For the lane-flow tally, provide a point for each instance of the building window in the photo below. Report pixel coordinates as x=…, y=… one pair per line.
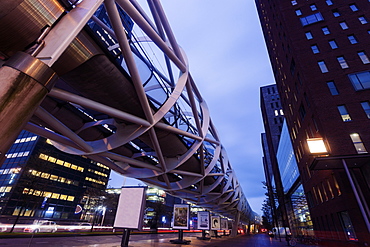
x=323, y=67
x=311, y=19
x=329, y=2
x=333, y=44
x=298, y=12
x=352, y=39
x=363, y=57
x=343, y=25
x=309, y=35
x=332, y=88
x=344, y=113
x=362, y=19
x=353, y=7
x=313, y=7
x=357, y=142
x=347, y=226
x=325, y=30
x=366, y=106
x=342, y=62
x=294, y=2
x=360, y=80
x=315, y=49
x=335, y=13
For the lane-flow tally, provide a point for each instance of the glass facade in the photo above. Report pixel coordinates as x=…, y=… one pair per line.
x=286, y=160
x=39, y=181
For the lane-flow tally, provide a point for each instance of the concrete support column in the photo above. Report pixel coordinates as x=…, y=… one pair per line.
x=24, y=82
x=234, y=231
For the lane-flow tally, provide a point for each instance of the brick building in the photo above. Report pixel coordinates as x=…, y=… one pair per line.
x=318, y=52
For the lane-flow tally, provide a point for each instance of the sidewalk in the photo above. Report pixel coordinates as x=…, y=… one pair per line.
x=257, y=240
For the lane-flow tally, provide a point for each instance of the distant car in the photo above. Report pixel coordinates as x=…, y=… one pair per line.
x=42, y=226
x=4, y=227
x=84, y=226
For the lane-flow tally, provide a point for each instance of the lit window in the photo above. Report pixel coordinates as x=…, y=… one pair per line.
x=329, y=2
x=353, y=7
x=281, y=112
x=313, y=7
x=43, y=156
x=344, y=113
x=343, y=25
x=333, y=44
x=311, y=19
x=55, y=195
x=325, y=30
x=352, y=39
x=294, y=2
x=362, y=19
x=60, y=162
x=66, y=164
x=47, y=194
x=63, y=197
x=366, y=106
x=332, y=88
x=315, y=49
x=309, y=35
x=360, y=80
x=323, y=67
x=336, y=13
x=363, y=57
x=52, y=159
x=357, y=142
x=70, y=198
x=298, y=12
x=342, y=62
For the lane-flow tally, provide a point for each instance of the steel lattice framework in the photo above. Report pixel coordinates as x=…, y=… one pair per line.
x=109, y=101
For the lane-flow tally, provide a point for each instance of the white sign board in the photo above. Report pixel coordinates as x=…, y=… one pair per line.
x=131, y=206
x=224, y=224
x=203, y=220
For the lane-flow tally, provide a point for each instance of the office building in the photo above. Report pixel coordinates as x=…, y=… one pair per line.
x=273, y=118
x=319, y=55
x=38, y=181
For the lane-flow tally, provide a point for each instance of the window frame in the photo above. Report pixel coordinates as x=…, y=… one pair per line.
x=333, y=44
x=364, y=58
x=342, y=62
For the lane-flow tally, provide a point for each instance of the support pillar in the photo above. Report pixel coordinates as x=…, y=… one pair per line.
x=24, y=82
x=234, y=231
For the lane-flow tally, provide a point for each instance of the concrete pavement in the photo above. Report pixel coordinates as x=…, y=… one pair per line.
x=144, y=240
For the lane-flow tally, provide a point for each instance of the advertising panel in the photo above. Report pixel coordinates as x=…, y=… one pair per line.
x=181, y=216
x=130, y=209
x=215, y=223
x=203, y=220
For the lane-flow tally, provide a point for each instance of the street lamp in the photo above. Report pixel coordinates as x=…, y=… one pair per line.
x=316, y=146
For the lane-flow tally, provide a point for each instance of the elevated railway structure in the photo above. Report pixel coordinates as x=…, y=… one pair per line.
x=79, y=73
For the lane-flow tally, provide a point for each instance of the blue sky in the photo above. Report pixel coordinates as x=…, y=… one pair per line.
x=229, y=63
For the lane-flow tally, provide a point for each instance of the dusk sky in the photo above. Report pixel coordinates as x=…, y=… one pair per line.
x=229, y=63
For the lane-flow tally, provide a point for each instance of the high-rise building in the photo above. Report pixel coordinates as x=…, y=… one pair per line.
x=273, y=118
x=318, y=52
x=280, y=166
x=38, y=181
